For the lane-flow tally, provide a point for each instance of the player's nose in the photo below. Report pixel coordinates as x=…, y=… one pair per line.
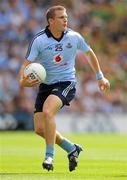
x=65, y=19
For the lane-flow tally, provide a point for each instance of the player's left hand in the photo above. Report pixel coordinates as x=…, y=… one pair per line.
x=104, y=85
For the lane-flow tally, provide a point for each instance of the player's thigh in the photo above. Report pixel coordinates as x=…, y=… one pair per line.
x=39, y=125
x=52, y=104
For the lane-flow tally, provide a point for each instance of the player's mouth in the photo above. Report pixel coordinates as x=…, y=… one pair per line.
x=65, y=25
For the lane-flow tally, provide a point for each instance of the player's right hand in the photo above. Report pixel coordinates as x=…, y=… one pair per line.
x=28, y=82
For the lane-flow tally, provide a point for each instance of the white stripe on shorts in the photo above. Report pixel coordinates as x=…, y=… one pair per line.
x=67, y=89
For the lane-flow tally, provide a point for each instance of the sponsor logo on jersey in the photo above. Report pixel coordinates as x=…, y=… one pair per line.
x=57, y=58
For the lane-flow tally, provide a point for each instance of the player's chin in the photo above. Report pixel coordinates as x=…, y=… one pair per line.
x=64, y=27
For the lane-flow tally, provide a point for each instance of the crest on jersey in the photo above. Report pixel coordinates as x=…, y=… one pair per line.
x=69, y=45
x=57, y=58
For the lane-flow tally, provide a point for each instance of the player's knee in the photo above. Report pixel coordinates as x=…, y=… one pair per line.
x=47, y=114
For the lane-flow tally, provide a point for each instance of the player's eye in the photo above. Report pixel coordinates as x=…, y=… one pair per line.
x=62, y=17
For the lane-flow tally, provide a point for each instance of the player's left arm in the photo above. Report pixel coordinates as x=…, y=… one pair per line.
x=103, y=83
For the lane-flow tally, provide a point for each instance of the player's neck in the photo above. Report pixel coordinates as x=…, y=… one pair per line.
x=55, y=33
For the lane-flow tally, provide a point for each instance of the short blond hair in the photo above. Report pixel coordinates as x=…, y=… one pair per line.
x=51, y=11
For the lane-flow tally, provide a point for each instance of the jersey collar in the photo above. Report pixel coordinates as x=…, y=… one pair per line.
x=49, y=34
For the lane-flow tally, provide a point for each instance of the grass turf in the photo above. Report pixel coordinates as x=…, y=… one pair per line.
x=104, y=157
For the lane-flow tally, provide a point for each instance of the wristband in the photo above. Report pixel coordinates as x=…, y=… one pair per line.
x=99, y=76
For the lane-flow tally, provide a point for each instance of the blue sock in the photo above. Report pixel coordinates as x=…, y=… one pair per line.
x=49, y=151
x=67, y=145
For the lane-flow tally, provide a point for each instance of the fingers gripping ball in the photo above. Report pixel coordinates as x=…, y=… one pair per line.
x=35, y=71
x=102, y=88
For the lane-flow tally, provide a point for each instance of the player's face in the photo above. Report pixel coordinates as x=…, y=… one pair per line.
x=60, y=20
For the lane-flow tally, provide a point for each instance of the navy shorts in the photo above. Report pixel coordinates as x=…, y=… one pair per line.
x=64, y=90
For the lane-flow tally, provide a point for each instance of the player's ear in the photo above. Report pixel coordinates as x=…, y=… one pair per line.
x=50, y=20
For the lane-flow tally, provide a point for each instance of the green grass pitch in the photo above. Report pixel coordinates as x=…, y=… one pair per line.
x=104, y=157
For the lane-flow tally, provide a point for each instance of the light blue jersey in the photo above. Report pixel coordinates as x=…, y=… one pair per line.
x=57, y=55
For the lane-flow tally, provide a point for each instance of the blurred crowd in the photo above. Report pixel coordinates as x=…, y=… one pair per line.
x=103, y=23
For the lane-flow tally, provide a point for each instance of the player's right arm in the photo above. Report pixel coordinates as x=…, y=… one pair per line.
x=32, y=54
x=25, y=81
